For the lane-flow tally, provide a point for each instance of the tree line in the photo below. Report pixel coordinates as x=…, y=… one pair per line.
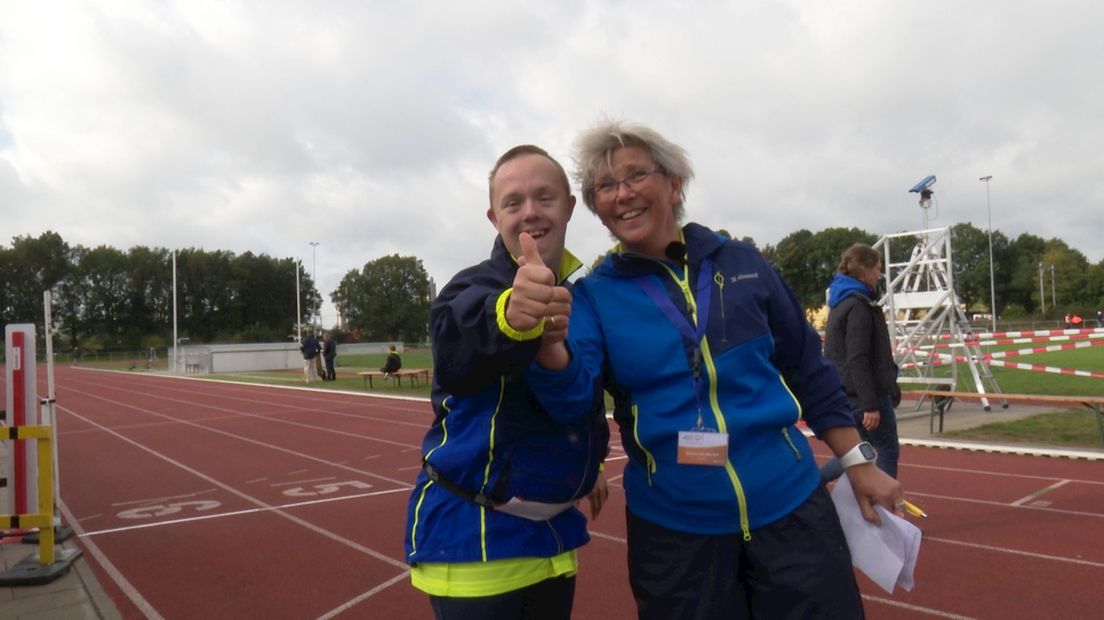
x=105, y=298
x=1069, y=281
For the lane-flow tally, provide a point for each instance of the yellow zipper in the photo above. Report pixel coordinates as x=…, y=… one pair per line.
x=651, y=463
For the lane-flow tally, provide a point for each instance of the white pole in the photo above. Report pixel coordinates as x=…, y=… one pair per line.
x=1042, y=292
x=176, y=339
x=298, y=312
x=48, y=406
x=992, y=281
x=314, y=279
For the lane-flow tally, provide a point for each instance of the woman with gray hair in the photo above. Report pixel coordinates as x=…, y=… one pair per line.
x=711, y=364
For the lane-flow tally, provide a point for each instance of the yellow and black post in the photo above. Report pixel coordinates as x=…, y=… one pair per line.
x=49, y=563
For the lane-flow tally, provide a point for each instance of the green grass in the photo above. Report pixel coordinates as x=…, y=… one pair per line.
x=1067, y=429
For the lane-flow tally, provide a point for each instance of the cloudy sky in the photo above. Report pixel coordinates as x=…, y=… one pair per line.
x=369, y=126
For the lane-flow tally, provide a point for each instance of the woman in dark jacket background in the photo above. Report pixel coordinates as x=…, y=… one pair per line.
x=857, y=341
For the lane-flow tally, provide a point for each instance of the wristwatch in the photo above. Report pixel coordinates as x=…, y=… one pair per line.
x=863, y=452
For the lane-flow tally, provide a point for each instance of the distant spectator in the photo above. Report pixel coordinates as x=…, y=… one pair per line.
x=1067, y=321
x=77, y=351
x=1100, y=318
x=308, y=346
x=393, y=363
x=329, y=352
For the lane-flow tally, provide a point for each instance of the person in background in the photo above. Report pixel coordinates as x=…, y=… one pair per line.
x=329, y=353
x=308, y=346
x=856, y=339
x=393, y=361
x=493, y=529
x=711, y=363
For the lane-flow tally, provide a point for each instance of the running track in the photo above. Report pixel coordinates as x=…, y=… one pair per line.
x=198, y=499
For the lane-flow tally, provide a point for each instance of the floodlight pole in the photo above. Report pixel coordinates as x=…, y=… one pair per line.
x=176, y=339
x=1042, y=291
x=992, y=281
x=298, y=311
x=314, y=276
x=1053, y=290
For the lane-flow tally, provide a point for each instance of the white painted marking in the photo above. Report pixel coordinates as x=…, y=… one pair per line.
x=300, y=482
x=365, y=596
x=245, y=511
x=1048, y=489
x=924, y=610
x=163, y=510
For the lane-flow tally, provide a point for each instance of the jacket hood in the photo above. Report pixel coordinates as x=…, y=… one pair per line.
x=843, y=287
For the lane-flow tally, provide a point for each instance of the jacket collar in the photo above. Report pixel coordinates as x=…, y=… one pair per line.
x=569, y=264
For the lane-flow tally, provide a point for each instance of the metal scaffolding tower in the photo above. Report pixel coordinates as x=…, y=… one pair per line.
x=929, y=326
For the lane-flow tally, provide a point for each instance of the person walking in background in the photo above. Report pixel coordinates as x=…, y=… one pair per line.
x=493, y=528
x=711, y=363
x=393, y=361
x=856, y=339
x=329, y=352
x=308, y=346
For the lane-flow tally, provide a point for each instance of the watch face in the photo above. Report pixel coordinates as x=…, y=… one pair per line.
x=867, y=451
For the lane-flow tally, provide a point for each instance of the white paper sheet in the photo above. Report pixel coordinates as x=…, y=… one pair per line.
x=887, y=553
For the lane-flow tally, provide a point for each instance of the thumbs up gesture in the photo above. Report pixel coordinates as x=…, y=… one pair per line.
x=533, y=288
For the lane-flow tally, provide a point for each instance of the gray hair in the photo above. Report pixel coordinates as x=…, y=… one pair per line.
x=596, y=145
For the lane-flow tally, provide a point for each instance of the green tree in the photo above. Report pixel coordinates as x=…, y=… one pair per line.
x=808, y=261
x=30, y=267
x=387, y=300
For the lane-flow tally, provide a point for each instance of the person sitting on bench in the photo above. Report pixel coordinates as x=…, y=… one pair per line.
x=393, y=363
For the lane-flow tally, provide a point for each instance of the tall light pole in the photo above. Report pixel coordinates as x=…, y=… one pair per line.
x=314, y=273
x=992, y=281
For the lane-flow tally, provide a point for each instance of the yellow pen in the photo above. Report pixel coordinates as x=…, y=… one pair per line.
x=911, y=508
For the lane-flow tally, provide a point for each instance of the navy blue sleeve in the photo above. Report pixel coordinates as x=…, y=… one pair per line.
x=469, y=349
x=797, y=354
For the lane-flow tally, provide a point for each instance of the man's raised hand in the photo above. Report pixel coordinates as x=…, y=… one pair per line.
x=533, y=288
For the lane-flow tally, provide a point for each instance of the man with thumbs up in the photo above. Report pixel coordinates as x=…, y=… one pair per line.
x=493, y=527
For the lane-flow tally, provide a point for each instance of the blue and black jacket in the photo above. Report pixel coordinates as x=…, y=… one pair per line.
x=717, y=337
x=491, y=438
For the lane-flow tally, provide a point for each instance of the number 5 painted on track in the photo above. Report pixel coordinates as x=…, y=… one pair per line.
x=325, y=489
x=161, y=510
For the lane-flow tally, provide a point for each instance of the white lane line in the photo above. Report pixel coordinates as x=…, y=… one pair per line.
x=1048, y=489
x=1027, y=554
x=249, y=498
x=364, y=596
x=924, y=610
x=987, y=502
x=237, y=513
x=236, y=436
x=128, y=588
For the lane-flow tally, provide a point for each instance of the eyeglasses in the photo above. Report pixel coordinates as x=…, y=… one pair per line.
x=635, y=180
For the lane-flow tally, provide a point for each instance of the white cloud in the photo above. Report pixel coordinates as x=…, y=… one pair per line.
x=370, y=127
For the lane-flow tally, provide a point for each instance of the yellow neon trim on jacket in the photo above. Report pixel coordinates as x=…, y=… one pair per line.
x=504, y=325
x=487, y=468
x=473, y=579
x=417, y=514
x=718, y=415
x=568, y=265
x=650, y=462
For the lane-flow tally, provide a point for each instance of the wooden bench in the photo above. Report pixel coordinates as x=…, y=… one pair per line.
x=941, y=401
x=413, y=373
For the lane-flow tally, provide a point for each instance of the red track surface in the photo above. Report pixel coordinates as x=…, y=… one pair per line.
x=196, y=499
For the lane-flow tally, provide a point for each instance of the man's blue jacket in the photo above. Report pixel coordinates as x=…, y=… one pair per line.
x=490, y=436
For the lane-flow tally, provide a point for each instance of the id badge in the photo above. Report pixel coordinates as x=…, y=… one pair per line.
x=702, y=448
